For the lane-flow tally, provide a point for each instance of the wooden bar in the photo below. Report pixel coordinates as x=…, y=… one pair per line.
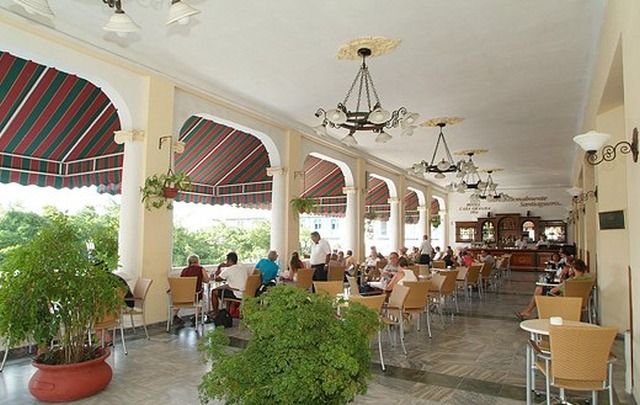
x=522, y=260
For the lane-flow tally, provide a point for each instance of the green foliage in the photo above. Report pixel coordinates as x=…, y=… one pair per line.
x=16, y=228
x=51, y=286
x=213, y=244
x=300, y=352
x=436, y=221
x=153, y=190
x=303, y=204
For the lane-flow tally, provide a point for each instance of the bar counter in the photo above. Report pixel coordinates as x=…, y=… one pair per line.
x=522, y=259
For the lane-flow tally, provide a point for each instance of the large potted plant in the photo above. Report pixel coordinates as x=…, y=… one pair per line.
x=52, y=288
x=303, y=204
x=160, y=189
x=299, y=352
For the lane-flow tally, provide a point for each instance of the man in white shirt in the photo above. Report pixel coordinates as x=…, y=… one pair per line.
x=522, y=243
x=425, y=251
x=320, y=256
x=236, y=276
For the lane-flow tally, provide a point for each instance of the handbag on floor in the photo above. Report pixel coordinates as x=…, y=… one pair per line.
x=223, y=319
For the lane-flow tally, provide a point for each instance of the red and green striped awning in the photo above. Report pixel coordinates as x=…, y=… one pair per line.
x=377, y=201
x=324, y=181
x=56, y=129
x=435, y=207
x=227, y=166
x=411, y=203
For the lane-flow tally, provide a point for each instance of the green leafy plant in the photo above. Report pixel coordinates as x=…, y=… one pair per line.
x=303, y=204
x=53, y=286
x=300, y=352
x=370, y=216
x=160, y=189
x=436, y=221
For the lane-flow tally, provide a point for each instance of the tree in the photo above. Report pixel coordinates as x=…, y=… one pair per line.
x=17, y=228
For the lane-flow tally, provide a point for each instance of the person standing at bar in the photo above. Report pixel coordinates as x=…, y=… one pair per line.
x=320, y=256
x=426, y=250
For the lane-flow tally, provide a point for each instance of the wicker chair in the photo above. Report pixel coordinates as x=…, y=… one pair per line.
x=448, y=288
x=251, y=287
x=485, y=276
x=182, y=294
x=336, y=273
x=112, y=321
x=417, y=301
x=375, y=303
x=304, y=279
x=439, y=264
x=472, y=279
x=140, y=292
x=567, y=308
x=332, y=288
x=581, y=289
x=393, y=311
x=579, y=360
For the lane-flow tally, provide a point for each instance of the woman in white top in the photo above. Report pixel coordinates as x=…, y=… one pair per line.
x=403, y=274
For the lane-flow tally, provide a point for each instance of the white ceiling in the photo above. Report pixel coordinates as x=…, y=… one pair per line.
x=518, y=71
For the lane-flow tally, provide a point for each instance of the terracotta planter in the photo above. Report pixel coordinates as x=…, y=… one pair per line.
x=70, y=382
x=170, y=192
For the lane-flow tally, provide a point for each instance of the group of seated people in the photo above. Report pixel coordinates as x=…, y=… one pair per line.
x=567, y=268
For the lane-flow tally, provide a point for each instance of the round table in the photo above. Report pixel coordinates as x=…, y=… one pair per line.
x=537, y=327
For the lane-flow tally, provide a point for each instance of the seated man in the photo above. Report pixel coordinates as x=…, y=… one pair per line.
x=269, y=268
x=236, y=277
x=580, y=272
x=193, y=269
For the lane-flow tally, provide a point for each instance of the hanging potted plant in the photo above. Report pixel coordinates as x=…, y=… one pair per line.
x=303, y=204
x=51, y=291
x=160, y=189
x=436, y=221
x=370, y=216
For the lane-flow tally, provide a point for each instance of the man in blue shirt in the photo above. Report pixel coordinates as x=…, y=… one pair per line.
x=269, y=268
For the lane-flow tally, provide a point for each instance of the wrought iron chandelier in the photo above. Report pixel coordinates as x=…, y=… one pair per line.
x=120, y=22
x=488, y=190
x=468, y=173
x=374, y=118
x=445, y=165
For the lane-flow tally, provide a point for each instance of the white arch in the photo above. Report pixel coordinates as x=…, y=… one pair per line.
x=272, y=150
x=422, y=199
x=67, y=65
x=393, y=190
x=346, y=170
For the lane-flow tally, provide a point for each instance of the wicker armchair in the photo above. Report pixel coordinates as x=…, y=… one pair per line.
x=417, y=301
x=375, y=303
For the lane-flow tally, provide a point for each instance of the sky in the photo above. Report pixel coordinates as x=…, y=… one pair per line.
x=192, y=216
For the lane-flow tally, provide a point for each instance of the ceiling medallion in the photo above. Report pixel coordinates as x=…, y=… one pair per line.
x=367, y=113
x=466, y=152
x=446, y=164
x=377, y=45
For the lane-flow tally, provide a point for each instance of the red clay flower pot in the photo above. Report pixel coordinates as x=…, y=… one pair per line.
x=170, y=192
x=70, y=382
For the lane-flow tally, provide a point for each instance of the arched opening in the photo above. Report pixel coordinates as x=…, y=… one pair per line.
x=437, y=213
x=377, y=213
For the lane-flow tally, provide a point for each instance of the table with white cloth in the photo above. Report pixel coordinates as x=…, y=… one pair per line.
x=537, y=328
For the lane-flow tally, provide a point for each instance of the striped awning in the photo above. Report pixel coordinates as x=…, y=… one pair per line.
x=377, y=201
x=411, y=214
x=435, y=207
x=227, y=166
x=324, y=181
x=56, y=129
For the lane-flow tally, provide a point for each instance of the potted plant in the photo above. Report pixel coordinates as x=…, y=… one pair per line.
x=436, y=221
x=370, y=216
x=160, y=189
x=297, y=341
x=51, y=290
x=303, y=204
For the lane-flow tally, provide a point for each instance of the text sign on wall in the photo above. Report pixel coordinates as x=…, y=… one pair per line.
x=475, y=207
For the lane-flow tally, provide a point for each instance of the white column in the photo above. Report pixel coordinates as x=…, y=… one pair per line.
x=422, y=221
x=394, y=223
x=278, y=211
x=351, y=223
x=129, y=240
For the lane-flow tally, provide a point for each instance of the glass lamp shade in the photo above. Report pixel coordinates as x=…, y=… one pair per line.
x=379, y=116
x=574, y=191
x=180, y=12
x=451, y=186
x=121, y=24
x=461, y=188
x=439, y=176
x=349, y=140
x=443, y=165
x=337, y=116
x=40, y=7
x=417, y=168
x=321, y=130
x=592, y=140
x=409, y=120
x=407, y=131
x=383, y=137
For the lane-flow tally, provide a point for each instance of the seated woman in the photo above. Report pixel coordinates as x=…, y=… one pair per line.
x=580, y=272
x=401, y=275
x=467, y=259
x=295, y=264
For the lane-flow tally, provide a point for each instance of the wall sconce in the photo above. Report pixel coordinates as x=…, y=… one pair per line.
x=579, y=198
x=592, y=141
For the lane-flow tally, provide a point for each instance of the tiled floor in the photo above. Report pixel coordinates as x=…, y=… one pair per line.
x=476, y=358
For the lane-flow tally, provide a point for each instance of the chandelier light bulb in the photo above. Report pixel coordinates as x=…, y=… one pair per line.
x=337, y=116
x=349, y=140
x=410, y=119
x=379, y=116
x=383, y=137
x=443, y=165
x=439, y=176
x=180, y=12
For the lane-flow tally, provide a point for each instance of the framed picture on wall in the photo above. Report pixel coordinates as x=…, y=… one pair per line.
x=611, y=220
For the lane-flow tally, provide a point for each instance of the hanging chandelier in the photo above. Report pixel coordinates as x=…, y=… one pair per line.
x=468, y=173
x=372, y=117
x=120, y=22
x=446, y=164
x=488, y=190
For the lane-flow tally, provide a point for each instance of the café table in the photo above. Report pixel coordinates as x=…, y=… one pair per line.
x=536, y=328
